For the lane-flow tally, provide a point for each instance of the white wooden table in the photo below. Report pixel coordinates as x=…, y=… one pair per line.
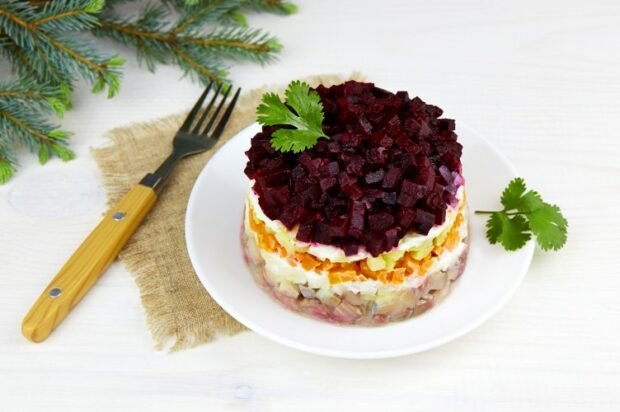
x=539, y=78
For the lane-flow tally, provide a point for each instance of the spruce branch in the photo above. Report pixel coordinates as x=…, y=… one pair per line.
x=7, y=163
x=270, y=6
x=197, y=52
x=57, y=57
x=47, y=46
x=24, y=108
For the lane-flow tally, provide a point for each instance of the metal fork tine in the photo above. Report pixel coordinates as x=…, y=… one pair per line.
x=196, y=129
x=217, y=111
x=192, y=114
x=222, y=124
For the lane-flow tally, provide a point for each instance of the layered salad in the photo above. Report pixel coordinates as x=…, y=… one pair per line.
x=367, y=226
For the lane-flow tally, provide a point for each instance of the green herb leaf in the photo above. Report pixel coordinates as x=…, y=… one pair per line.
x=549, y=226
x=530, y=202
x=514, y=231
x=511, y=197
x=524, y=214
x=305, y=115
x=494, y=228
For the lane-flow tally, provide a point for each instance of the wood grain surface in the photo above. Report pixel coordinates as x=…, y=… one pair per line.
x=539, y=78
x=87, y=263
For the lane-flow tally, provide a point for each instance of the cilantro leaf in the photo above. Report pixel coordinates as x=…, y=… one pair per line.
x=530, y=202
x=549, y=226
x=512, y=232
x=304, y=113
x=272, y=111
x=525, y=214
x=494, y=228
x=511, y=197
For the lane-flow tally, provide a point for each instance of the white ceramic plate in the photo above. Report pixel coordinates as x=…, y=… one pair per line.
x=212, y=228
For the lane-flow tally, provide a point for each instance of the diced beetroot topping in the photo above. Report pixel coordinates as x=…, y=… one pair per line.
x=391, y=167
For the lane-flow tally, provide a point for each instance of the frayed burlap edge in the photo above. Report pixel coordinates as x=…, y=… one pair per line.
x=178, y=308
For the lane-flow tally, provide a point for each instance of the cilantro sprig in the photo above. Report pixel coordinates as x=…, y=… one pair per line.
x=525, y=214
x=304, y=113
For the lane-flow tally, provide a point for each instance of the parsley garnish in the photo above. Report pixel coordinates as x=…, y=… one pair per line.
x=304, y=112
x=525, y=214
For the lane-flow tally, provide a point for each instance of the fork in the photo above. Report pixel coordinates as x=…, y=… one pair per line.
x=198, y=133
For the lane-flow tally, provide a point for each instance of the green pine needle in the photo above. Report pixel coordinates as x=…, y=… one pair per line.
x=305, y=115
x=239, y=18
x=6, y=171
x=58, y=106
x=95, y=6
x=525, y=214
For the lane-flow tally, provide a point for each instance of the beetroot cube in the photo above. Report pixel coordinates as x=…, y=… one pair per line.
x=373, y=194
x=271, y=163
x=433, y=111
x=287, y=217
x=440, y=216
x=377, y=155
x=353, y=191
x=310, y=193
x=345, y=179
x=355, y=164
x=392, y=178
x=386, y=141
x=356, y=219
x=447, y=124
x=405, y=217
x=330, y=169
x=453, y=160
x=426, y=174
x=374, y=177
x=391, y=238
x=412, y=189
x=380, y=221
x=423, y=221
x=412, y=126
x=350, y=249
x=276, y=195
x=321, y=233
x=298, y=172
x=267, y=178
x=446, y=174
x=327, y=183
x=425, y=130
x=375, y=244
x=365, y=125
x=305, y=231
x=333, y=147
x=338, y=227
x=390, y=198
x=312, y=166
x=407, y=161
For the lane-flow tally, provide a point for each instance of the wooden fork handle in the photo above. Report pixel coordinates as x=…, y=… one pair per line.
x=87, y=264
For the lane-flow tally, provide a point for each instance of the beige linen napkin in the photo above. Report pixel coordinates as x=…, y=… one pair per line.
x=176, y=304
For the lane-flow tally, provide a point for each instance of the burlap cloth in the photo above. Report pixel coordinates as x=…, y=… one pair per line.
x=177, y=306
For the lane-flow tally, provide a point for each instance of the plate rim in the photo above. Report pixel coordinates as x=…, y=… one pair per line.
x=335, y=353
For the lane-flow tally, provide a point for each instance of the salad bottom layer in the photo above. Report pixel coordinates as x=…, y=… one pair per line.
x=353, y=308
